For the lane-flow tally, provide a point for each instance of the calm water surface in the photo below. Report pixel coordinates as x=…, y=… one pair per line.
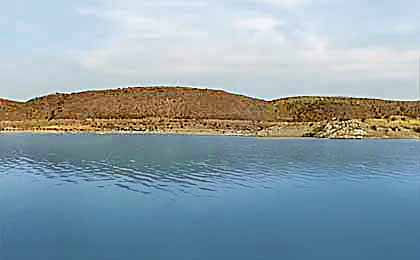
x=76, y=197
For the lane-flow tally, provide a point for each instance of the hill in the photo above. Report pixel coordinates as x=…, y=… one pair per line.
x=315, y=109
x=138, y=103
x=202, y=111
x=192, y=103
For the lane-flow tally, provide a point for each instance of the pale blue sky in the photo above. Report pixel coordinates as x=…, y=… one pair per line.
x=261, y=48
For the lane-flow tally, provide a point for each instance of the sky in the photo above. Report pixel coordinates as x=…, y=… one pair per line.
x=261, y=48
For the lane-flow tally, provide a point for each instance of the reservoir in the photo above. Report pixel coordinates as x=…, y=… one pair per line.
x=114, y=197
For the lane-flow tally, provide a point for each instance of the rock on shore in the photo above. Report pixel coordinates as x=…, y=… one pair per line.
x=351, y=129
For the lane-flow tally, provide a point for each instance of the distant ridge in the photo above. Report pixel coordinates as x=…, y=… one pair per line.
x=193, y=103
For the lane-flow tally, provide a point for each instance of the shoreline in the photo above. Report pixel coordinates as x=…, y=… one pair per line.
x=350, y=129
x=208, y=134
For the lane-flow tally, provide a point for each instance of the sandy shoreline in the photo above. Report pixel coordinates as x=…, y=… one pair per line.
x=109, y=133
x=351, y=129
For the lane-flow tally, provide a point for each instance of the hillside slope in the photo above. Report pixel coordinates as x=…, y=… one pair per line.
x=138, y=103
x=315, y=109
x=191, y=103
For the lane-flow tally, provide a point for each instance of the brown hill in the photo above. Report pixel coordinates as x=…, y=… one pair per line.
x=191, y=103
x=314, y=109
x=138, y=103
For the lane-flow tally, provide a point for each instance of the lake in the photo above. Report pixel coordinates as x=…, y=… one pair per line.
x=76, y=197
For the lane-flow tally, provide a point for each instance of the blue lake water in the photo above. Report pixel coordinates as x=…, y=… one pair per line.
x=76, y=197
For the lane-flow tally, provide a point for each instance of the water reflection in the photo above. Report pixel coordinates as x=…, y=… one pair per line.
x=185, y=164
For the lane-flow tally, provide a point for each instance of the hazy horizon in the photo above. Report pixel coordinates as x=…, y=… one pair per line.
x=260, y=48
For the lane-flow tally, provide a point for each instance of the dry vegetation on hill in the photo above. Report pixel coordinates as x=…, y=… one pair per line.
x=315, y=109
x=190, y=103
x=138, y=103
x=189, y=109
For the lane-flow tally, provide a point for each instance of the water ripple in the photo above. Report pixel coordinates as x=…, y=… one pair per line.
x=234, y=163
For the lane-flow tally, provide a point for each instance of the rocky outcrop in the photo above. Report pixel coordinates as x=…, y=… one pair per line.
x=351, y=129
